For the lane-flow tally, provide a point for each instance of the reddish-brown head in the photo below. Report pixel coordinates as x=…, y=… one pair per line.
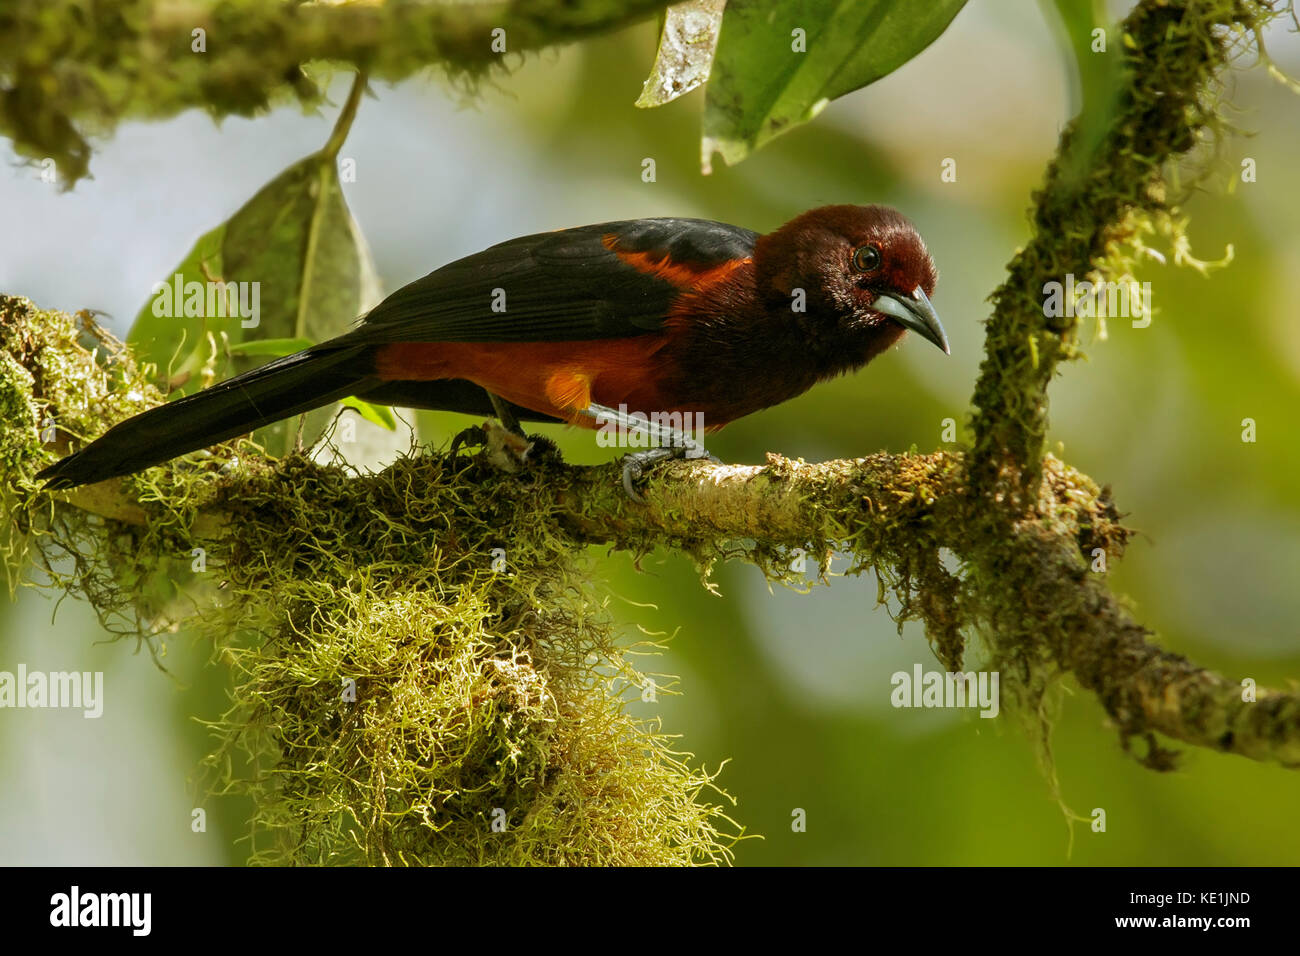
x=864, y=272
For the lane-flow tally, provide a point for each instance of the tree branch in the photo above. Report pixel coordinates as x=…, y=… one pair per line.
x=890, y=513
x=68, y=69
x=343, y=570
x=1093, y=203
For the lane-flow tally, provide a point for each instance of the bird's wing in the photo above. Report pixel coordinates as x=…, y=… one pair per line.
x=609, y=280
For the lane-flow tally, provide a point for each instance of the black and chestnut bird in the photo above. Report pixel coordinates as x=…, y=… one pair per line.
x=659, y=316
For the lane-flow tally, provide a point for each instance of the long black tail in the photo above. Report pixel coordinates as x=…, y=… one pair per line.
x=288, y=386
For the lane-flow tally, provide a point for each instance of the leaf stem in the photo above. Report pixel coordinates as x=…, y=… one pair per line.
x=344, y=123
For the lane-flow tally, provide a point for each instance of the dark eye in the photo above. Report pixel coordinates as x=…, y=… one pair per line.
x=867, y=258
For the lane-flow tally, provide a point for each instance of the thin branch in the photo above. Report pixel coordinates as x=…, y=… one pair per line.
x=1087, y=209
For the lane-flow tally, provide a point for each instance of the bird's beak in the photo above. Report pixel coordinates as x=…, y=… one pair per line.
x=916, y=313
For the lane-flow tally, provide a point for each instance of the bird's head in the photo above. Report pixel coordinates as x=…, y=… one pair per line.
x=865, y=269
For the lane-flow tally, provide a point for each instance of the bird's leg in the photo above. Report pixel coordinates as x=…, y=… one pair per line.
x=504, y=415
x=670, y=442
x=507, y=446
x=473, y=435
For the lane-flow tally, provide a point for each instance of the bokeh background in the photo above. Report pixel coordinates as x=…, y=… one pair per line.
x=790, y=690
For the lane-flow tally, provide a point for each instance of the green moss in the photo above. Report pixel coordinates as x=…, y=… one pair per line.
x=71, y=71
x=402, y=696
x=482, y=695
x=1100, y=201
x=489, y=696
x=1104, y=198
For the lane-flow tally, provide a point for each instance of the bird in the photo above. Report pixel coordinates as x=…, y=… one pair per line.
x=586, y=325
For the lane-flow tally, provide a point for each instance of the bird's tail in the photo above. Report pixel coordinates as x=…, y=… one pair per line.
x=288, y=386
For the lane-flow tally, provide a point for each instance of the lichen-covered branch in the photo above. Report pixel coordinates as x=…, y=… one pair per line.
x=1091, y=208
x=423, y=669
x=450, y=601
x=1031, y=593
x=69, y=70
x=1142, y=687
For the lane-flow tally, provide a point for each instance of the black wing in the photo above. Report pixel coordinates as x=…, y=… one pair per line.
x=608, y=280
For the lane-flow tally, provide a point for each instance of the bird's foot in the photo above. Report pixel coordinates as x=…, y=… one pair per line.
x=474, y=435
x=635, y=464
x=669, y=443
x=505, y=449
x=500, y=447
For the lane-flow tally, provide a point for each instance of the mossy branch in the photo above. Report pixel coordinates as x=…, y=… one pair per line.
x=1091, y=211
x=387, y=575
x=1032, y=593
x=69, y=70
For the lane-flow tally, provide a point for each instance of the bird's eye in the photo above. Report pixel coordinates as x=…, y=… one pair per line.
x=867, y=258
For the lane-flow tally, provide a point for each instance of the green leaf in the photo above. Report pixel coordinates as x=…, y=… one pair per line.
x=294, y=252
x=276, y=348
x=177, y=345
x=381, y=415
x=762, y=85
x=685, y=55
x=1096, y=80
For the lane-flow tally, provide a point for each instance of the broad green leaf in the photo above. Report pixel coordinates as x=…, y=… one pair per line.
x=294, y=255
x=162, y=334
x=686, y=46
x=273, y=348
x=1086, y=36
x=778, y=65
x=381, y=415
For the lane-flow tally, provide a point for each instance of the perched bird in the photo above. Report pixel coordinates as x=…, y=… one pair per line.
x=681, y=316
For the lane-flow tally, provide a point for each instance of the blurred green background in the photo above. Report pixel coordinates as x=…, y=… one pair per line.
x=792, y=690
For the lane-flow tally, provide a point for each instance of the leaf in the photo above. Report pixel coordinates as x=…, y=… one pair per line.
x=381, y=415
x=172, y=342
x=1096, y=80
x=686, y=46
x=276, y=348
x=297, y=259
x=762, y=86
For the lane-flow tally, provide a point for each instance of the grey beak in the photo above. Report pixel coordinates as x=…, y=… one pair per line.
x=916, y=313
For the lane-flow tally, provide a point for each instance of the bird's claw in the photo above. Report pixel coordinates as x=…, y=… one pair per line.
x=667, y=442
x=635, y=464
x=502, y=448
x=473, y=435
x=631, y=472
